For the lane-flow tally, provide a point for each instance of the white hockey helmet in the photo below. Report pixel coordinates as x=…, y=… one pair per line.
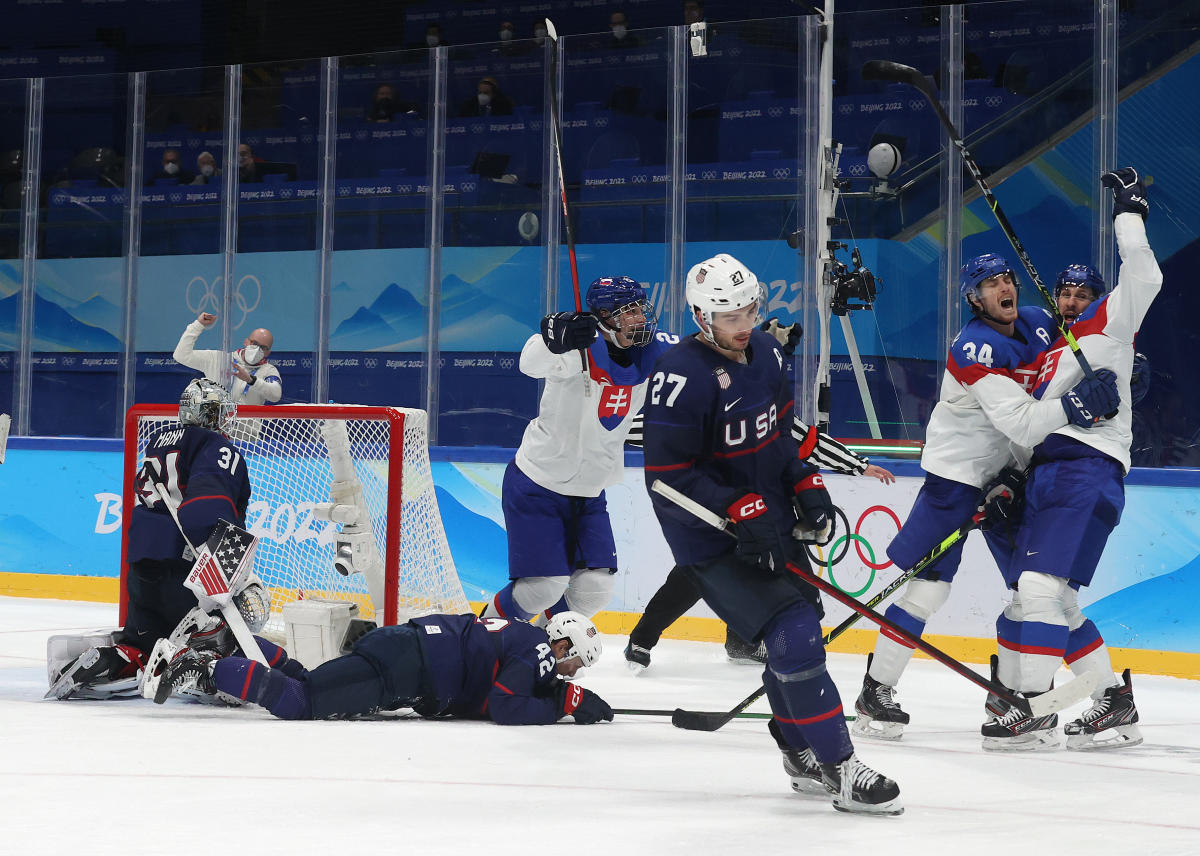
x=720, y=284
x=208, y=404
x=580, y=632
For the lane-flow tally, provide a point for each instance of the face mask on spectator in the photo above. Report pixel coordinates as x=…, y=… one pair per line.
x=539, y=34
x=506, y=34
x=432, y=41
x=484, y=99
x=252, y=355
x=207, y=169
x=619, y=31
x=170, y=168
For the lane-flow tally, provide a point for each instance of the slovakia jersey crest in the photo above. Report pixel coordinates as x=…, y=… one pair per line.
x=614, y=399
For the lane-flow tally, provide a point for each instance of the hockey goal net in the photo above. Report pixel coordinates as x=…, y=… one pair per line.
x=342, y=502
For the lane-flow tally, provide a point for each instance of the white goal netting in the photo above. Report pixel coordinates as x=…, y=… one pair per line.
x=342, y=503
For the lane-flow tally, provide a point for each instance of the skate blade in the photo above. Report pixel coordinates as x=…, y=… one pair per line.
x=1121, y=737
x=1038, y=741
x=864, y=726
x=745, y=661
x=66, y=686
x=635, y=668
x=892, y=808
x=809, y=787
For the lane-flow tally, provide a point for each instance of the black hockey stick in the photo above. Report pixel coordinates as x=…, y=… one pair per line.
x=671, y=713
x=1046, y=703
x=882, y=69
x=699, y=720
x=562, y=184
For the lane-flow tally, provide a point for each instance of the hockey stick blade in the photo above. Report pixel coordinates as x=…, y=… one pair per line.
x=1062, y=697
x=895, y=72
x=676, y=712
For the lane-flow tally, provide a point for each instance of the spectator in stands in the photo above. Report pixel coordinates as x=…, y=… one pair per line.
x=206, y=168
x=489, y=100
x=248, y=169
x=621, y=37
x=539, y=31
x=385, y=106
x=254, y=380
x=172, y=169
x=433, y=35
x=693, y=12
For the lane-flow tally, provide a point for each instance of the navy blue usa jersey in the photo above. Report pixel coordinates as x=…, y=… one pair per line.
x=204, y=475
x=490, y=668
x=715, y=430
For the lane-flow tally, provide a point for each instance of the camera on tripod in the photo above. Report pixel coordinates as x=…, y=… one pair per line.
x=853, y=287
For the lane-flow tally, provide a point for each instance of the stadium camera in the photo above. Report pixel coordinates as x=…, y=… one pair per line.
x=851, y=284
x=698, y=38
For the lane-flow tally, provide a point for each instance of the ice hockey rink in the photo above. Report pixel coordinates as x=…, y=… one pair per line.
x=130, y=777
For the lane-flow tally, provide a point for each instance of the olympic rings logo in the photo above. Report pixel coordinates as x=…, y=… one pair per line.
x=209, y=298
x=860, y=541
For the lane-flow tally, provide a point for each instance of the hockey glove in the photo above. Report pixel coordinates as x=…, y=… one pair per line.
x=1129, y=193
x=1139, y=382
x=815, y=510
x=587, y=707
x=568, y=331
x=1003, y=498
x=1088, y=401
x=758, y=540
x=788, y=337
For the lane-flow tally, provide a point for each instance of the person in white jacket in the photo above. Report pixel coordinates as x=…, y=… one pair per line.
x=255, y=381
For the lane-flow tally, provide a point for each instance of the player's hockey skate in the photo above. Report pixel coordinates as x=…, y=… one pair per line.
x=805, y=771
x=878, y=714
x=1017, y=731
x=99, y=672
x=738, y=650
x=637, y=658
x=1111, y=723
x=859, y=789
x=190, y=674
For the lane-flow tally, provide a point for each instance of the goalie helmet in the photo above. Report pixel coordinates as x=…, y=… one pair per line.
x=1081, y=274
x=611, y=297
x=720, y=284
x=979, y=269
x=580, y=632
x=207, y=404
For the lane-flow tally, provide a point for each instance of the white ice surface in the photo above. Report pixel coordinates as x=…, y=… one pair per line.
x=129, y=777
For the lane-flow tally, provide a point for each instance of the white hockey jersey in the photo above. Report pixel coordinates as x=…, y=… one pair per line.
x=575, y=445
x=1105, y=332
x=986, y=417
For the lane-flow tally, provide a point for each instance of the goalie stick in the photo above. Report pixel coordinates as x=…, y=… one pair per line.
x=1044, y=704
x=209, y=579
x=894, y=72
x=562, y=187
x=700, y=720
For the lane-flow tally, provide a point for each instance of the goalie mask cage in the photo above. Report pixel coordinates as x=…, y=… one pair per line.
x=376, y=461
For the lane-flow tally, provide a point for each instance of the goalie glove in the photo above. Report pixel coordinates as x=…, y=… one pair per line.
x=587, y=707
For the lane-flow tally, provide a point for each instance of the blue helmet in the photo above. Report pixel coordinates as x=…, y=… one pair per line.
x=978, y=269
x=1081, y=275
x=610, y=297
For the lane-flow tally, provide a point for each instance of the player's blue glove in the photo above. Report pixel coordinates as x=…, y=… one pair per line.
x=788, y=336
x=815, y=509
x=1089, y=401
x=587, y=707
x=1129, y=193
x=568, y=331
x=758, y=540
x=1003, y=498
x=1139, y=382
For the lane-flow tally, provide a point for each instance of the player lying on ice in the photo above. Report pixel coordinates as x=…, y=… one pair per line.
x=439, y=665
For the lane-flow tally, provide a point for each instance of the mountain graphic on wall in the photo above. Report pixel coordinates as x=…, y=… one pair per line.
x=1161, y=608
x=54, y=328
x=394, y=316
x=25, y=545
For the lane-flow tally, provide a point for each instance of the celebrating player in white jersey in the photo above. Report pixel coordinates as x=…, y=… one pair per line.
x=1074, y=500
x=984, y=420
x=561, y=551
